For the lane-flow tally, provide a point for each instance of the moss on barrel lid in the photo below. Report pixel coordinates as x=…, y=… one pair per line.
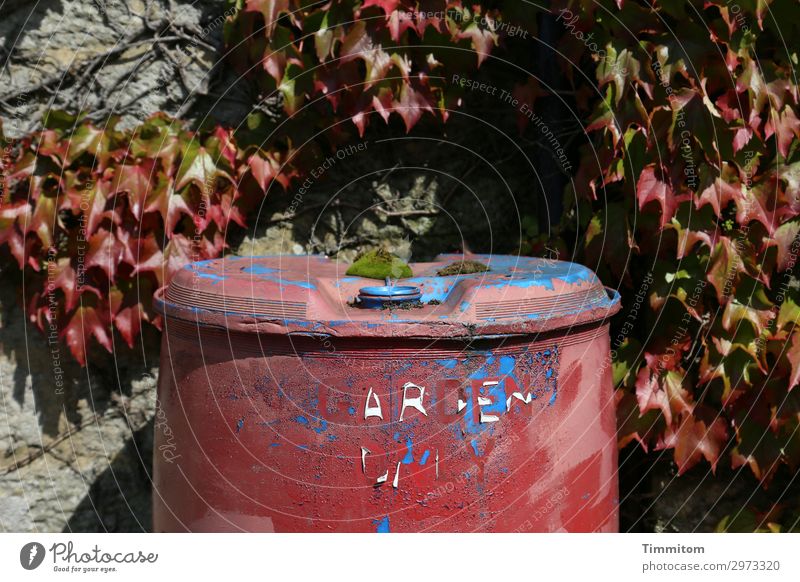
x=462, y=268
x=379, y=264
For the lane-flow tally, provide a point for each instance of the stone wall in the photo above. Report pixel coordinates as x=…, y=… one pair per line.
x=75, y=443
x=129, y=58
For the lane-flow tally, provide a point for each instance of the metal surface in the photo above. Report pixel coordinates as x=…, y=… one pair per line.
x=284, y=406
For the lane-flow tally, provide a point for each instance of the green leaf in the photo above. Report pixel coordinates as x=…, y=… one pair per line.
x=198, y=167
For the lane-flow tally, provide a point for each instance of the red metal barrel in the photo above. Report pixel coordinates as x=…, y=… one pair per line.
x=285, y=404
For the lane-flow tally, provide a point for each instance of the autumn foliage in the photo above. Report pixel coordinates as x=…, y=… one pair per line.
x=101, y=218
x=686, y=196
x=696, y=199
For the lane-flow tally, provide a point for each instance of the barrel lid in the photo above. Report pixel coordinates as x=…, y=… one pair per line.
x=311, y=295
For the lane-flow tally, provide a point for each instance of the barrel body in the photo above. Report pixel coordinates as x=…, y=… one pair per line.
x=275, y=433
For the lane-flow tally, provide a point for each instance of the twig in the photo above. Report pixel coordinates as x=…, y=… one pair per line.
x=396, y=213
x=49, y=446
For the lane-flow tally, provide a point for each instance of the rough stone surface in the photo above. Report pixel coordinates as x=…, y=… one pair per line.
x=130, y=58
x=78, y=460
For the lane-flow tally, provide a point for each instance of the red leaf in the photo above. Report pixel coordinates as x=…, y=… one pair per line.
x=179, y=253
x=680, y=400
x=482, y=40
x=632, y=426
x=793, y=355
x=784, y=237
x=64, y=278
x=147, y=257
x=90, y=202
x=721, y=191
x=652, y=188
x=694, y=440
x=411, y=105
x=105, y=252
x=358, y=44
x=128, y=321
x=785, y=130
x=85, y=323
x=9, y=233
x=270, y=9
x=263, y=169
x=399, y=21
x=382, y=102
x=135, y=180
x=52, y=146
x=741, y=138
x=688, y=238
x=760, y=203
x=388, y=6
x=227, y=146
x=726, y=266
x=650, y=395
x=175, y=206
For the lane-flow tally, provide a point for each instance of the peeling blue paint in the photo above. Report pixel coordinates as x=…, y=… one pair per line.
x=404, y=368
x=409, y=458
x=332, y=437
x=498, y=391
x=474, y=444
x=433, y=288
x=542, y=275
x=381, y=525
x=281, y=281
x=239, y=424
x=463, y=306
x=351, y=411
x=449, y=364
x=211, y=276
x=258, y=270
x=198, y=265
x=297, y=322
x=425, y=456
x=470, y=426
x=323, y=424
x=507, y=364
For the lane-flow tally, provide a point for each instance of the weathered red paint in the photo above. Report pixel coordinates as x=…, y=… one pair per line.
x=268, y=371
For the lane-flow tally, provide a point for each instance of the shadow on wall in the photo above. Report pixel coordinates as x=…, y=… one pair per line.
x=472, y=181
x=74, y=456
x=120, y=498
